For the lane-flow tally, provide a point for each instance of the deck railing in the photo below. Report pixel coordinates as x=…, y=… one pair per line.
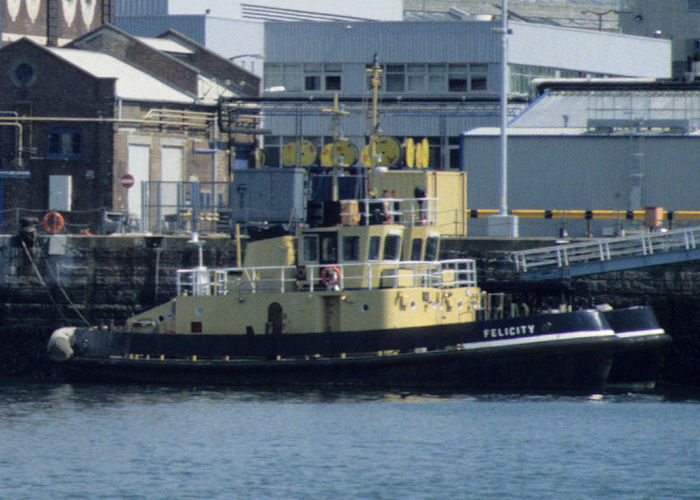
x=606, y=249
x=450, y=273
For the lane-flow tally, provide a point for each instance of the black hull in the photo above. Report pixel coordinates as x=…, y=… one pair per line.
x=563, y=352
x=638, y=359
x=574, y=367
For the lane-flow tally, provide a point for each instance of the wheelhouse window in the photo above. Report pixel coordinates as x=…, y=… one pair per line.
x=374, y=247
x=329, y=248
x=392, y=246
x=431, y=248
x=64, y=143
x=416, y=248
x=351, y=248
x=310, y=248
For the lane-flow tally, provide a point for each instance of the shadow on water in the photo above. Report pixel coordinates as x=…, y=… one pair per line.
x=95, y=394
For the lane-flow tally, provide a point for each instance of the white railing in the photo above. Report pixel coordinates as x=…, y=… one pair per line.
x=606, y=249
x=408, y=211
x=450, y=273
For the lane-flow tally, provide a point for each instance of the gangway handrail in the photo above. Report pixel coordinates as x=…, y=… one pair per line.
x=605, y=249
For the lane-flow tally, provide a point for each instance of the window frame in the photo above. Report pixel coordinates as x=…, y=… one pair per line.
x=392, y=247
x=309, y=243
x=350, y=245
x=60, y=132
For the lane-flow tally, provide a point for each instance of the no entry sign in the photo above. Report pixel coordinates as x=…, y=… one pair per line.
x=126, y=180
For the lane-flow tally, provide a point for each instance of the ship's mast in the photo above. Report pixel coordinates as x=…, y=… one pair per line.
x=335, y=124
x=375, y=81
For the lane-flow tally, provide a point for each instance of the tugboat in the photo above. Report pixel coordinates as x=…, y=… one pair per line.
x=354, y=301
x=358, y=297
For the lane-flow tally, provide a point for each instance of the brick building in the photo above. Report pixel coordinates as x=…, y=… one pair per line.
x=80, y=117
x=52, y=22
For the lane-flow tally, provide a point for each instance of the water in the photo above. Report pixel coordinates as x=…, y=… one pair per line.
x=88, y=441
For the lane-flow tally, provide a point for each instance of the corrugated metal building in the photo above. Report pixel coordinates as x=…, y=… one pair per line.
x=439, y=78
x=235, y=29
x=595, y=149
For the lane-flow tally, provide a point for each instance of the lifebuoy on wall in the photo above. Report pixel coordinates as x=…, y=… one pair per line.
x=53, y=222
x=330, y=276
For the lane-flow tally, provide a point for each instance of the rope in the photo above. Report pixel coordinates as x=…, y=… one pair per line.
x=43, y=283
x=48, y=292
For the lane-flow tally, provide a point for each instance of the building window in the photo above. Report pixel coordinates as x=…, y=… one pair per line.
x=288, y=76
x=693, y=4
x=433, y=78
x=395, y=77
x=64, y=143
x=457, y=78
x=309, y=76
x=333, y=82
x=23, y=74
x=453, y=152
x=478, y=77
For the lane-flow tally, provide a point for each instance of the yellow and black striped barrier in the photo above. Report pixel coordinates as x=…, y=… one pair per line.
x=670, y=215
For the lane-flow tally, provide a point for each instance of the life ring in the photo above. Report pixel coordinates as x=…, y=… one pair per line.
x=330, y=276
x=53, y=222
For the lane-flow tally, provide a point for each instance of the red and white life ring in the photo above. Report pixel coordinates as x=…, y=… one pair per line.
x=53, y=222
x=330, y=276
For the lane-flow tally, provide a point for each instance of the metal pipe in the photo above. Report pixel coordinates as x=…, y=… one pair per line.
x=20, y=143
x=503, y=208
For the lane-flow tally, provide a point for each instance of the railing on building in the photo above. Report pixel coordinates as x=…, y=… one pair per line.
x=183, y=207
x=593, y=256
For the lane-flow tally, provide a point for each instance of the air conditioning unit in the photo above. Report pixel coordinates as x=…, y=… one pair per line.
x=60, y=192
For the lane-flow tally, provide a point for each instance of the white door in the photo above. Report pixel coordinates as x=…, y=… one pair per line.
x=171, y=161
x=139, y=166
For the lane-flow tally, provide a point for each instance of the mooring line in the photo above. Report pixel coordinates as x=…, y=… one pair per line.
x=48, y=292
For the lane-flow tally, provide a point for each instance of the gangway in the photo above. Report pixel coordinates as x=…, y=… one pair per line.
x=608, y=254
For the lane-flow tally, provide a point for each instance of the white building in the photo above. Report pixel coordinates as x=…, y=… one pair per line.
x=439, y=78
x=235, y=29
x=674, y=20
x=600, y=146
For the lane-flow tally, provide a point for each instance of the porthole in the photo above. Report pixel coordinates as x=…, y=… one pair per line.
x=365, y=307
